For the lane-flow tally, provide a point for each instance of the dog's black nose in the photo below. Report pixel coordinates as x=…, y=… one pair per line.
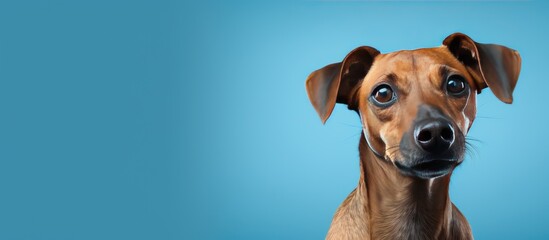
x=434, y=136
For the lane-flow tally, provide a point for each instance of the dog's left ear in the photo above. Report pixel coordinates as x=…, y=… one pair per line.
x=491, y=65
x=338, y=82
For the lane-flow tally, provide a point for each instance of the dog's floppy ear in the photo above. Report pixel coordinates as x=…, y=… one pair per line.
x=338, y=82
x=491, y=65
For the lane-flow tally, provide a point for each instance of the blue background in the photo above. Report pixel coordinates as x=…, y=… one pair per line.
x=167, y=120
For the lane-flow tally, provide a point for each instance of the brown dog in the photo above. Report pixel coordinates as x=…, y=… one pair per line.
x=416, y=108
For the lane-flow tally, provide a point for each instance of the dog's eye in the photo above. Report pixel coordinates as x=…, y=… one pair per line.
x=383, y=95
x=456, y=86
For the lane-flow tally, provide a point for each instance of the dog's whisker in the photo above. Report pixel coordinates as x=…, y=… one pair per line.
x=349, y=125
x=472, y=139
x=495, y=118
x=393, y=147
x=471, y=150
x=352, y=136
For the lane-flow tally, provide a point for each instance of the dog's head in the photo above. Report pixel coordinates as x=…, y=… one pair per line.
x=417, y=106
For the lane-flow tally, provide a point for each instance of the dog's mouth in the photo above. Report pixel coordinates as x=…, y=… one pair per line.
x=428, y=168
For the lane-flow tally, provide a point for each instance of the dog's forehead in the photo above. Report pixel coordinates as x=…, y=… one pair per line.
x=417, y=59
x=412, y=65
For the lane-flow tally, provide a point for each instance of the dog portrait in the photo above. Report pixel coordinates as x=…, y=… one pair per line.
x=415, y=107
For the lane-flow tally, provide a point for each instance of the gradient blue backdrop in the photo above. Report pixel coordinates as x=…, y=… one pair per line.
x=166, y=120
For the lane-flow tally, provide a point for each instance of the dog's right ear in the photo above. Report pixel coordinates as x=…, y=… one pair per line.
x=339, y=82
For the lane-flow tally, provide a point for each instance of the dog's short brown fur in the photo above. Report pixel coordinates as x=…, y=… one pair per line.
x=403, y=188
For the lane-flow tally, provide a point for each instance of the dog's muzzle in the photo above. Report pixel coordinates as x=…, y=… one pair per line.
x=434, y=149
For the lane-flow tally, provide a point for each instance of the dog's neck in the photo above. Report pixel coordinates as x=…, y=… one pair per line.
x=399, y=205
